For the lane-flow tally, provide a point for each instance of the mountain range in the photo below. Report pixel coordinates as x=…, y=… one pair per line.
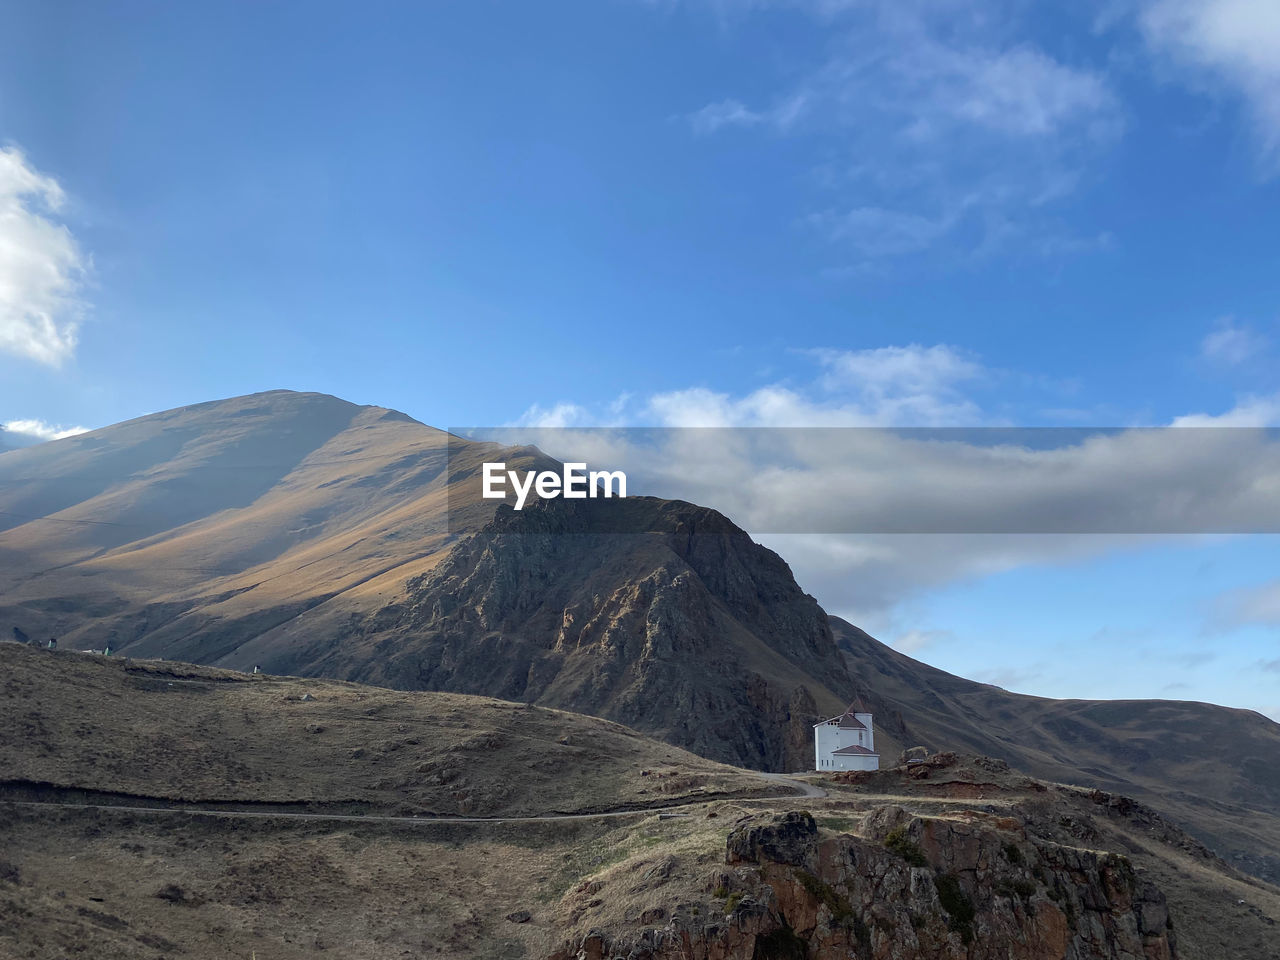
x=306, y=535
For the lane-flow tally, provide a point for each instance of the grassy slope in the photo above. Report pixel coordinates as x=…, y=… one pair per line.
x=178, y=732
x=149, y=885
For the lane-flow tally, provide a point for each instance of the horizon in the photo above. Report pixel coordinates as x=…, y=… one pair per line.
x=674, y=214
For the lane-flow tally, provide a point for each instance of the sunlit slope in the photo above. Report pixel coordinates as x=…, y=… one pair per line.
x=259, y=507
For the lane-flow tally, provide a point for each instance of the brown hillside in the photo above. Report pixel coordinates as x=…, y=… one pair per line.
x=1212, y=768
x=164, y=810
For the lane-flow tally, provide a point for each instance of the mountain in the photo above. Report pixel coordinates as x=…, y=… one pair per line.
x=193, y=530
x=305, y=534
x=12, y=440
x=686, y=629
x=246, y=509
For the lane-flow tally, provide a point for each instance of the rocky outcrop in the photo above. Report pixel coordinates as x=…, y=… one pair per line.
x=973, y=887
x=657, y=614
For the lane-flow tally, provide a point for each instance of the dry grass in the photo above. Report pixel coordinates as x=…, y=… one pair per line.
x=146, y=885
x=195, y=734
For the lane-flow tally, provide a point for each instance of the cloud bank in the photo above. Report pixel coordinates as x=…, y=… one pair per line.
x=936, y=508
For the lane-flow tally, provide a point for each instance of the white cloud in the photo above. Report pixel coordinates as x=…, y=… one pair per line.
x=555, y=417
x=886, y=386
x=732, y=113
x=41, y=266
x=1261, y=411
x=1235, y=41
x=937, y=130
x=39, y=430
x=1231, y=343
x=911, y=385
x=1254, y=605
x=1019, y=92
x=915, y=640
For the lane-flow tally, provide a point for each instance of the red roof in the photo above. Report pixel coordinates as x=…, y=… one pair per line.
x=850, y=722
x=853, y=751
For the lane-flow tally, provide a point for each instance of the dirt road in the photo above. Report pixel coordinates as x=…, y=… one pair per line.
x=804, y=789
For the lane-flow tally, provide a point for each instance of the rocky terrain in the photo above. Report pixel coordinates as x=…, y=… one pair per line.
x=687, y=630
x=916, y=887
x=958, y=858
x=166, y=810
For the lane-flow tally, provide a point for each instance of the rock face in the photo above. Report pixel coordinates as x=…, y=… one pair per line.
x=681, y=627
x=910, y=888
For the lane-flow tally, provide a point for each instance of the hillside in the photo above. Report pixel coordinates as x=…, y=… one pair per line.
x=151, y=731
x=168, y=810
x=212, y=523
x=1212, y=768
x=9, y=440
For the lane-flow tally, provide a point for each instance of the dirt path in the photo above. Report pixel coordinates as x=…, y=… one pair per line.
x=804, y=789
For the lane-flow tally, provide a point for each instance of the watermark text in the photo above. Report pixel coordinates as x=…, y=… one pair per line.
x=574, y=482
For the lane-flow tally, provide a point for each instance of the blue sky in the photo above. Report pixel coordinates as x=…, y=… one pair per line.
x=741, y=212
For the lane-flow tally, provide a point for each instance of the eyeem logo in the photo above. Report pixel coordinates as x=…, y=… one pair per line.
x=573, y=483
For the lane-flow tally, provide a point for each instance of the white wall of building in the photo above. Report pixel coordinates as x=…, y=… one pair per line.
x=826, y=737
x=830, y=736
x=860, y=762
x=865, y=720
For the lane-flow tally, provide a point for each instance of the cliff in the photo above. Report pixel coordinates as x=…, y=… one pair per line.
x=911, y=888
x=682, y=627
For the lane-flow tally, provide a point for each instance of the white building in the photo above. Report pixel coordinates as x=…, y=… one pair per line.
x=846, y=742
